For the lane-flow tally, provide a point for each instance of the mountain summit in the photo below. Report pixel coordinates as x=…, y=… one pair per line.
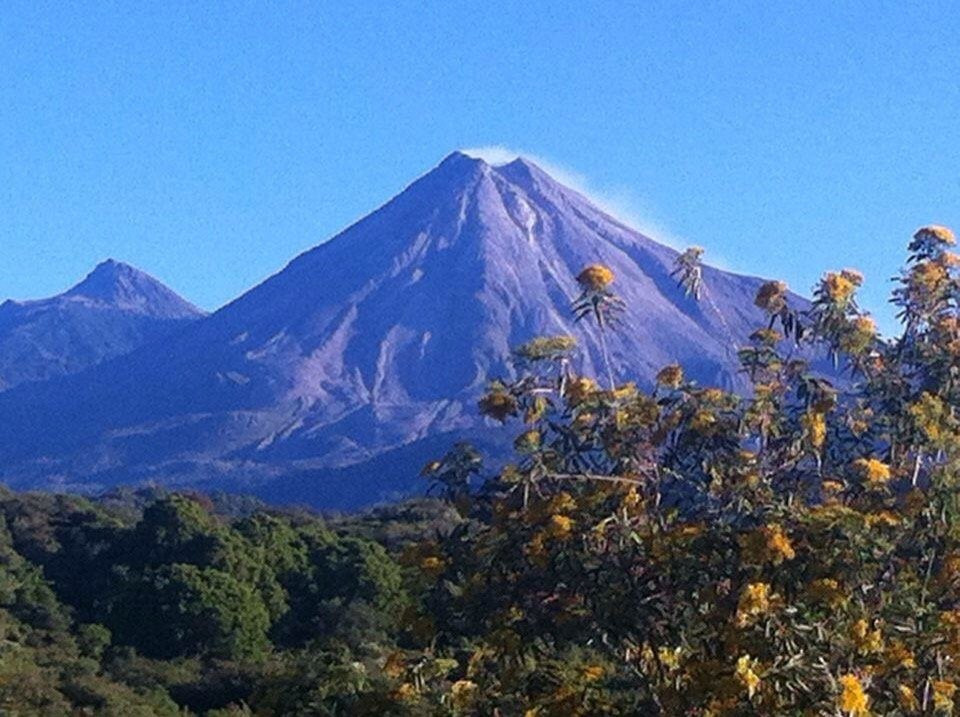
x=365, y=355
x=121, y=286
x=114, y=310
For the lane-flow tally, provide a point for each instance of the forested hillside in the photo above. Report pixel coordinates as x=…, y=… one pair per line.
x=122, y=609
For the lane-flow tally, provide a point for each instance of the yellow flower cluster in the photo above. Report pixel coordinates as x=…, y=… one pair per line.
x=899, y=657
x=943, y=692
x=828, y=592
x=560, y=526
x=907, y=698
x=580, y=389
x=528, y=441
x=867, y=641
x=930, y=416
x=754, y=602
x=766, y=337
x=462, y=693
x=592, y=673
x=670, y=376
x=769, y=544
x=746, y=674
x=838, y=287
x=859, y=335
x=926, y=279
x=595, y=277
x=853, y=700
x=815, y=429
x=936, y=232
x=872, y=472
x=546, y=347
x=432, y=565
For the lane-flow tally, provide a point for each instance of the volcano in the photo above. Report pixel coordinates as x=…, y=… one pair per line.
x=332, y=380
x=114, y=310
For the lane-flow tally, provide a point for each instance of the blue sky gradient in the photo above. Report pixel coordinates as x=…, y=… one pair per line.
x=208, y=143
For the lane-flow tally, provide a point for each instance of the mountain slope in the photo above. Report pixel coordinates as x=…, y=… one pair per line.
x=375, y=343
x=114, y=310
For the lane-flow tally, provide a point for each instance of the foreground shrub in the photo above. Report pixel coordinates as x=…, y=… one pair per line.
x=685, y=550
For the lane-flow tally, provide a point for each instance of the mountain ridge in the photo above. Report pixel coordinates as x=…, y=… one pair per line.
x=113, y=310
x=376, y=341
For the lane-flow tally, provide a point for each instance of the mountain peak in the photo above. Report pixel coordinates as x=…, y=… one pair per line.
x=460, y=157
x=123, y=286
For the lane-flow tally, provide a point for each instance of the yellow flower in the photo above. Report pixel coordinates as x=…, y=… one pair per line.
x=536, y=549
x=462, y=692
x=815, y=427
x=950, y=259
x=406, y=692
x=853, y=699
x=771, y=296
x=592, y=673
x=858, y=335
x=908, y=700
x=562, y=502
x=873, y=472
x=768, y=544
x=746, y=675
x=950, y=567
x=943, y=692
x=580, y=389
x=703, y=421
x=930, y=414
x=528, y=441
x=712, y=395
x=559, y=526
x=927, y=277
x=936, y=232
x=631, y=500
x=778, y=544
x=432, y=566
x=898, y=656
x=595, y=277
x=866, y=640
x=546, y=347
x=883, y=517
x=670, y=657
x=827, y=591
x=830, y=489
x=766, y=337
x=670, y=376
x=394, y=665
x=754, y=601
x=498, y=404
x=838, y=287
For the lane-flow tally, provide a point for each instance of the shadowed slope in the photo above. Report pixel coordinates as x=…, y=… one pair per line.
x=114, y=310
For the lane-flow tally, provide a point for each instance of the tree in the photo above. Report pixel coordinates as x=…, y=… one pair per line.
x=180, y=610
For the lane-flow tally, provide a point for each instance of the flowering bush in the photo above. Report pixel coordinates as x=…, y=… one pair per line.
x=687, y=551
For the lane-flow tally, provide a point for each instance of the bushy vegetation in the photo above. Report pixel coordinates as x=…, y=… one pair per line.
x=169, y=607
x=680, y=550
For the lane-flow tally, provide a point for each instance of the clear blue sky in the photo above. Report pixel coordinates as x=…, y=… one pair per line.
x=208, y=143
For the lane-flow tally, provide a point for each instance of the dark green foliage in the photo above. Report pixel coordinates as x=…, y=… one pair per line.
x=171, y=605
x=181, y=609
